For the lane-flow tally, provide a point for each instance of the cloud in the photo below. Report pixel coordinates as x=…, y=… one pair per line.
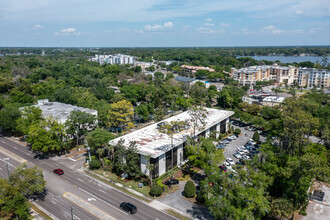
x=209, y=24
x=205, y=30
x=224, y=24
x=168, y=24
x=299, y=12
x=158, y=27
x=67, y=31
x=208, y=19
x=37, y=26
x=315, y=30
x=271, y=29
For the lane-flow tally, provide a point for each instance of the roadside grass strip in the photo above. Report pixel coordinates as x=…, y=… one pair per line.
x=12, y=155
x=87, y=206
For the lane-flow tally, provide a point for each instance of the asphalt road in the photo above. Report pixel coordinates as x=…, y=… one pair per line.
x=89, y=198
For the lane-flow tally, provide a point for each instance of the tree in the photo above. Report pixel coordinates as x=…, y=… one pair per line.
x=29, y=180
x=144, y=110
x=237, y=131
x=30, y=115
x=99, y=138
x=47, y=136
x=239, y=196
x=94, y=164
x=8, y=116
x=79, y=123
x=120, y=115
x=256, y=136
x=132, y=161
x=189, y=189
x=198, y=93
x=197, y=118
x=150, y=167
x=119, y=158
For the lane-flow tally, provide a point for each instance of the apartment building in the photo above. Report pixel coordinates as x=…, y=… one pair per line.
x=113, y=59
x=311, y=77
x=250, y=75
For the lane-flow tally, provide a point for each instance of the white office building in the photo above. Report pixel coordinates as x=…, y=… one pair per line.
x=150, y=141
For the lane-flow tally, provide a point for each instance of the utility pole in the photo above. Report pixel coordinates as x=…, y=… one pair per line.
x=8, y=171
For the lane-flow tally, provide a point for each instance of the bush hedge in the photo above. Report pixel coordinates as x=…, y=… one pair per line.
x=256, y=136
x=156, y=190
x=237, y=131
x=94, y=164
x=189, y=189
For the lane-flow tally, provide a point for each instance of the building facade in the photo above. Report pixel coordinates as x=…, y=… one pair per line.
x=311, y=77
x=113, y=59
x=164, y=150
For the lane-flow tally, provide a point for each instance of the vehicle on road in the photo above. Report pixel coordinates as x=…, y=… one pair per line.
x=230, y=161
x=58, y=171
x=128, y=207
x=237, y=155
x=171, y=182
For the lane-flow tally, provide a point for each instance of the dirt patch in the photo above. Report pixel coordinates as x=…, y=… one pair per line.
x=178, y=174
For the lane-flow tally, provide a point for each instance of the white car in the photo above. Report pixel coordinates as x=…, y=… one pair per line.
x=240, y=151
x=232, y=137
x=246, y=157
x=237, y=155
x=230, y=161
x=227, y=164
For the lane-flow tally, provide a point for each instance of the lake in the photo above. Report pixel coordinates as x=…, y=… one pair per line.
x=289, y=59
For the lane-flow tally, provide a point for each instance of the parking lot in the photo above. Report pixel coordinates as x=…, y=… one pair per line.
x=232, y=146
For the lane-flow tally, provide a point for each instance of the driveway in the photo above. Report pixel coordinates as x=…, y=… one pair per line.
x=177, y=201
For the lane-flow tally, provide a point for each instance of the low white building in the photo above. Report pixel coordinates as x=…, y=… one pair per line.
x=60, y=111
x=150, y=141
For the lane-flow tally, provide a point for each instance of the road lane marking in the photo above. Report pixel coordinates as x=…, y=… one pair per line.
x=12, y=155
x=102, y=191
x=15, y=147
x=87, y=206
x=81, y=158
x=103, y=201
x=71, y=159
x=3, y=141
x=80, y=179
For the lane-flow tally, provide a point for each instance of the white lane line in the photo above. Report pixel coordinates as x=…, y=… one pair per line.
x=103, y=201
x=103, y=191
x=80, y=180
x=15, y=148
x=3, y=141
x=71, y=159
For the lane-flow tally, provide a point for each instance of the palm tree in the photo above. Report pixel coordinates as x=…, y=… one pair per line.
x=150, y=168
x=100, y=152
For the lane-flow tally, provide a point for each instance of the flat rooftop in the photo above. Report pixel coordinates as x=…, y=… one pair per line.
x=150, y=141
x=61, y=111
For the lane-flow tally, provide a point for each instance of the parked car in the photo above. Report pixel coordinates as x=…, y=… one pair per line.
x=58, y=171
x=224, y=142
x=251, y=155
x=226, y=164
x=128, y=207
x=237, y=155
x=228, y=139
x=170, y=182
x=246, y=157
x=223, y=168
x=232, y=137
x=230, y=161
x=240, y=151
x=220, y=146
x=240, y=163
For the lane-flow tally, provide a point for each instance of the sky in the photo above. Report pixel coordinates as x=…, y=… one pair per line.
x=163, y=23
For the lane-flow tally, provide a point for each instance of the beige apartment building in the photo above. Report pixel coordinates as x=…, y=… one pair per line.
x=281, y=74
x=311, y=77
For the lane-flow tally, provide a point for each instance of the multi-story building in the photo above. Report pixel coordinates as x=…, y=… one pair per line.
x=252, y=74
x=194, y=69
x=165, y=150
x=311, y=77
x=113, y=59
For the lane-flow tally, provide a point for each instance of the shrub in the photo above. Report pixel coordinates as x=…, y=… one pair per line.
x=256, y=136
x=93, y=157
x=94, y=164
x=201, y=197
x=237, y=131
x=189, y=189
x=156, y=190
x=159, y=183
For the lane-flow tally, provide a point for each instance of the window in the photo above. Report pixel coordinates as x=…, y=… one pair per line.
x=155, y=172
x=223, y=126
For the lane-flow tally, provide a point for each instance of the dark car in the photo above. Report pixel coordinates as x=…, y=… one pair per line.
x=128, y=207
x=223, y=168
x=239, y=163
x=171, y=182
x=58, y=171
